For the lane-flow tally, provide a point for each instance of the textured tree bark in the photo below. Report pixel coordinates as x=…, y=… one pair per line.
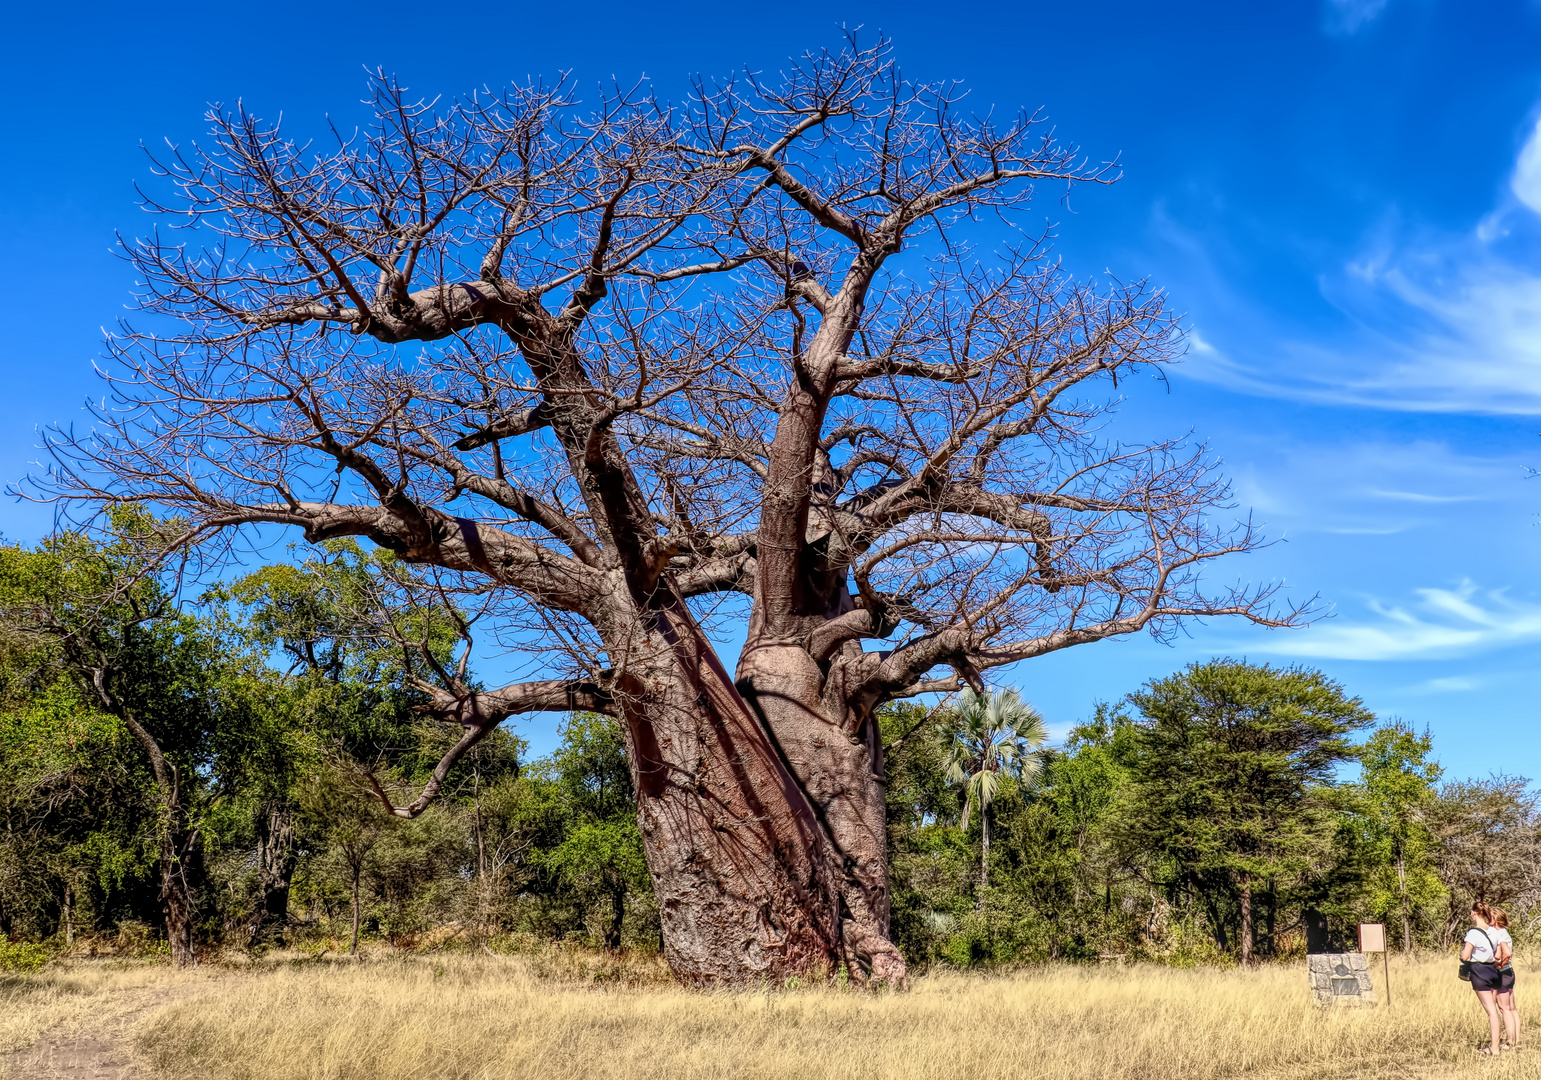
x=739, y=862
x=1246, y=920
x=178, y=900
x=835, y=759
x=276, y=861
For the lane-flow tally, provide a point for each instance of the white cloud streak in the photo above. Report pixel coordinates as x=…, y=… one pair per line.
x=1435, y=322
x=1456, y=684
x=1440, y=624
x=1526, y=181
x=1366, y=488
x=1351, y=16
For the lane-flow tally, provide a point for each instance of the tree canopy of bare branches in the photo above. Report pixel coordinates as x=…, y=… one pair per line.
x=626, y=366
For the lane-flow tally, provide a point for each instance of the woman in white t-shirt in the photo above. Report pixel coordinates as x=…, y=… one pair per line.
x=1481, y=949
x=1505, y=998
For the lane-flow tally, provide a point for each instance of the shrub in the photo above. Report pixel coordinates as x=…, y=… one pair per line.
x=22, y=955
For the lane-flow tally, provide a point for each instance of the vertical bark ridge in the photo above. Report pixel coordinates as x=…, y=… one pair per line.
x=738, y=861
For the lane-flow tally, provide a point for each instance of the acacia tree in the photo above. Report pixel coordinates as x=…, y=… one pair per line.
x=1486, y=836
x=1227, y=776
x=629, y=367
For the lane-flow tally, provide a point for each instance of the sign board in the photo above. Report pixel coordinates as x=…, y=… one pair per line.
x=1372, y=937
x=1340, y=979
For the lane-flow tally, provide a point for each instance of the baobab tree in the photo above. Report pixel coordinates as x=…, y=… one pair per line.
x=630, y=367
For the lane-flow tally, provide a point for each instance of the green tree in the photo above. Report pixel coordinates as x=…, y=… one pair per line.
x=1398, y=781
x=994, y=738
x=100, y=614
x=497, y=826
x=1054, y=867
x=266, y=751
x=1487, y=837
x=351, y=645
x=1082, y=785
x=77, y=807
x=930, y=861
x=600, y=857
x=353, y=824
x=1227, y=776
x=349, y=639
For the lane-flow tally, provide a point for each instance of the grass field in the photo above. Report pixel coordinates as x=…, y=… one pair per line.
x=449, y=1017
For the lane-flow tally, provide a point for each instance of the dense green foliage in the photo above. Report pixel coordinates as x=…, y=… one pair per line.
x=1146, y=829
x=1200, y=819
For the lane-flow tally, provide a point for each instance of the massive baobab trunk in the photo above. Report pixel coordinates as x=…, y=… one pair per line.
x=604, y=378
x=738, y=857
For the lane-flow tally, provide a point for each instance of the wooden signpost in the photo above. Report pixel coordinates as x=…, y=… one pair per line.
x=1372, y=938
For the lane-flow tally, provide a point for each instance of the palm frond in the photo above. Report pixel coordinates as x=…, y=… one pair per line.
x=992, y=734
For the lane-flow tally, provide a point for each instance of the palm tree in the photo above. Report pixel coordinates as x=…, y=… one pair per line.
x=992, y=735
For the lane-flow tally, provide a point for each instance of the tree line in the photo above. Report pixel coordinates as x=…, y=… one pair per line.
x=187, y=776
x=1208, y=817
x=218, y=774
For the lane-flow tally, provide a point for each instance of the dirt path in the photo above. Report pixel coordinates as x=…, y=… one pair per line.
x=98, y=1048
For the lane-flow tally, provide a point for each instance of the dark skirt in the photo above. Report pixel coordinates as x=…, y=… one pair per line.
x=1488, y=977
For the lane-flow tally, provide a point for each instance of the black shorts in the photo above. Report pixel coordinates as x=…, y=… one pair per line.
x=1488, y=977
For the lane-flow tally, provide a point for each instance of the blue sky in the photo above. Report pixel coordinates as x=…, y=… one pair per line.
x=1343, y=196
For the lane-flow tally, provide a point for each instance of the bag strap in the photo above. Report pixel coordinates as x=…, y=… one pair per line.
x=1490, y=946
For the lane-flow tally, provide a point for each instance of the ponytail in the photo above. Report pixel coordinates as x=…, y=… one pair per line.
x=1487, y=913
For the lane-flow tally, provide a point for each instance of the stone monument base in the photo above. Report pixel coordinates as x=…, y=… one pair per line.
x=1340, y=979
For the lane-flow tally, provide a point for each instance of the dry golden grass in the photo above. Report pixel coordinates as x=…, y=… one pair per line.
x=63, y=996
x=571, y=1015
x=491, y=1018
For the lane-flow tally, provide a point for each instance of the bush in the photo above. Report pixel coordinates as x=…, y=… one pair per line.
x=22, y=956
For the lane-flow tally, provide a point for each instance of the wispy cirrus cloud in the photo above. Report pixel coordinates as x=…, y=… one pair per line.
x=1366, y=488
x=1455, y=684
x=1431, y=321
x=1440, y=623
x=1436, y=325
x=1351, y=16
x=1525, y=182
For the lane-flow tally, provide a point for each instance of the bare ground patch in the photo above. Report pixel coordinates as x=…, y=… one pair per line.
x=77, y=1022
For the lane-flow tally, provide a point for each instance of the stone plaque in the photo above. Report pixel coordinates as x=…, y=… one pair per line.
x=1340, y=979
